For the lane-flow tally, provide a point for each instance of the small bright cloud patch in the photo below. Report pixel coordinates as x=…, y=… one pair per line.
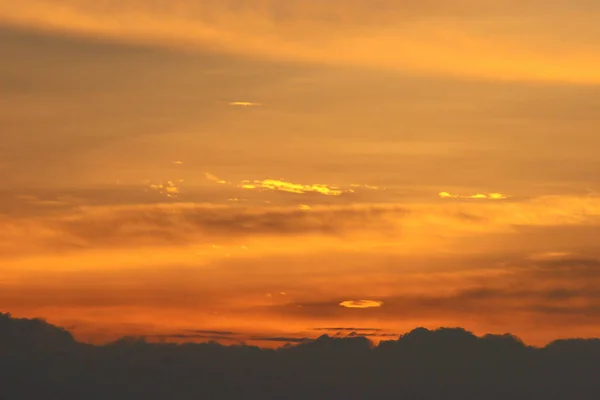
x=361, y=304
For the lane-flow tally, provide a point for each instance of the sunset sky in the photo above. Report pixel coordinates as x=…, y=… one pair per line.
x=271, y=170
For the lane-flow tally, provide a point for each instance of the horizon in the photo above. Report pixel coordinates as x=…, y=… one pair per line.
x=282, y=343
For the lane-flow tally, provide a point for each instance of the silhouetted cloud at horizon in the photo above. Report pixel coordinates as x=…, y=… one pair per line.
x=40, y=360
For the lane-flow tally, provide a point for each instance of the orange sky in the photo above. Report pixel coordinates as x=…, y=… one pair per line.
x=254, y=170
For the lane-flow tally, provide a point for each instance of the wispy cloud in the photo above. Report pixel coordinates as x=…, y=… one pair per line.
x=182, y=224
x=283, y=186
x=280, y=185
x=179, y=223
x=214, y=178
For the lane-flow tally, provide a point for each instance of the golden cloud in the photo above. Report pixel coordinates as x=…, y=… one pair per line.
x=168, y=189
x=279, y=185
x=283, y=186
x=478, y=196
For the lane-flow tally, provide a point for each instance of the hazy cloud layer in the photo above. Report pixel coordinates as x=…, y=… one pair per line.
x=185, y=224
x=496, y=41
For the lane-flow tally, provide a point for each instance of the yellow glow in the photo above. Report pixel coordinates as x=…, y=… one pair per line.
x=361, y=304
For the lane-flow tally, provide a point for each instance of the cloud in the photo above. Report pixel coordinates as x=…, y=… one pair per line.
x=280, y=185
x=361, y=304
x=424, y=36
x=416, y=226
x=283, y=186
x=214, y=178
x=168, y=189
x=184, y=224
x=521, y=292
x=478, y=196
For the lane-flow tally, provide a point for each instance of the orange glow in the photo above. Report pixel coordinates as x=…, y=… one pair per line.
x=278, y=168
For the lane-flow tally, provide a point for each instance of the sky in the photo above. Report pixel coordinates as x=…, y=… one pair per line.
x=240, y=170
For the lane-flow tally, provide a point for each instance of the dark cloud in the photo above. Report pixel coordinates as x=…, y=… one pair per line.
x=39, y=359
